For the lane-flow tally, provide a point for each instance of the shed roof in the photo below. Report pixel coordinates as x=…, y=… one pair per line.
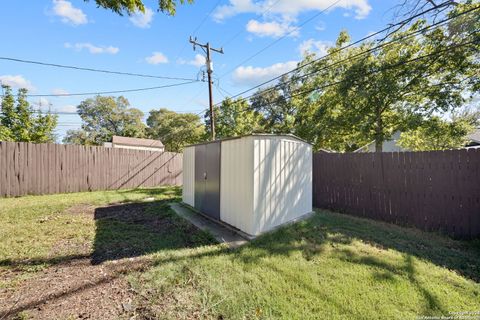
x=250, y=135
x=137, y=142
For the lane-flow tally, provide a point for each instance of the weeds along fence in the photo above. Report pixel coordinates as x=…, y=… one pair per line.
x=432, y=191
x=27, y=168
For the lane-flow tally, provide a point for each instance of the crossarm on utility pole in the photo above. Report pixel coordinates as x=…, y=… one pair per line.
x=207, y=49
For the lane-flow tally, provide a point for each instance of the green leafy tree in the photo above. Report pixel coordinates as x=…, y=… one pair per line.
x=132, y=6
x=436, y=134
x=274, y=104
x=175, y=130
x=234, y=118
x=19, y=121
x=104, y=117
x=358, y=94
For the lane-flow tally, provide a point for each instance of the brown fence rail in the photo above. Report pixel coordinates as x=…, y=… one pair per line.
x=27, y=168
x=433, y=191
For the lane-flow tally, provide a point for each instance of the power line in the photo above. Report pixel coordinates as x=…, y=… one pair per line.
x=110, y=92
x=206, y=17
x=343, y=48
x=73, y=113
x=198, y=28
x=409, y=35
x=243, y=30
x=95, y=70
x=281, y=38
x=208, y=49
x=299, y=92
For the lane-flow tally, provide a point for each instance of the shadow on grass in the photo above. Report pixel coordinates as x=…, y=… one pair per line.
x=310, y=237
x=136, y=229
x=122, y=231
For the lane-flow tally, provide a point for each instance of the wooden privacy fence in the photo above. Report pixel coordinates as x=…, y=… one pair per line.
x=433, y=191
x=27, y=168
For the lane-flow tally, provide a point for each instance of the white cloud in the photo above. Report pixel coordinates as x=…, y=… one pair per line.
x=198, y=61
x=68, y=12
x=318, y=47
x=289, y=8
x=16, y=81
x=59, y=91
x=92, y=48
x=271, y=29
x=142, y=19
x=250, y=76
x=157, y=58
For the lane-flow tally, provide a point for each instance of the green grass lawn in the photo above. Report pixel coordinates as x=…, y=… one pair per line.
x=330, y=266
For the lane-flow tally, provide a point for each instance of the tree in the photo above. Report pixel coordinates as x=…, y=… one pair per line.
x=360, y=94
x=175, y=130
x=132, y=6
x=19, y=122
x=436, y=134
x=274, y=104
x=104, y=117
x=234, y=118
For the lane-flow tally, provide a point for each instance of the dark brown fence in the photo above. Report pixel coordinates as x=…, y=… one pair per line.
x=433, y=191
x=27, y=168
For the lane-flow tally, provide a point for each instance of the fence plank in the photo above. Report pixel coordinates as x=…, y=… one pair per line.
x=27, y=168
x=432, y=191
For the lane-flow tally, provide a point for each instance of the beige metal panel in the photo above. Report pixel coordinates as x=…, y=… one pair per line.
x=188, y=190
x=282, y=181
x=236, y=183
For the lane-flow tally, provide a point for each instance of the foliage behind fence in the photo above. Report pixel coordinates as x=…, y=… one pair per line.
x=433, y=191
x=27, y=168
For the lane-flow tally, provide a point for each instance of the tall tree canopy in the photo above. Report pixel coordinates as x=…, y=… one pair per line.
x=19, y=122
x=234, y=118
x=436, y=134
x=362, y=93
x=104, y=117
x=275, y=106
x=132, y=6
x=175, y=130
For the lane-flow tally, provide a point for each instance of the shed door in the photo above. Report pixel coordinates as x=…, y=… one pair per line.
x=211, y=204
x=207, y=179
x=200, y=151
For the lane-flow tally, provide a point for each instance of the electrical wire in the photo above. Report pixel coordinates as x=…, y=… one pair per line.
x=353, y=43
x=198, y=28
x=281, y=38
x=243, y=30
x=95, y=70
x=409, y=35
x=299, y=92
x=110, y=92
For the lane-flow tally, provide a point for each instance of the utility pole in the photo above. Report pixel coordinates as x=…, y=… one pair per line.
x=207, y=49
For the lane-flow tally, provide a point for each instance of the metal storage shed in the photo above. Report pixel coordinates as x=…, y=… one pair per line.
x=253, y=183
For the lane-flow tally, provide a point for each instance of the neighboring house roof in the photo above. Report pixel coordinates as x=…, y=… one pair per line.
x=388, y=145
x=474, y=136
x=138, y=142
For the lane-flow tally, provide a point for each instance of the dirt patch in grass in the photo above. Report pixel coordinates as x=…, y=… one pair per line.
x=77, y=289
x=81, y=209
x=85, y=279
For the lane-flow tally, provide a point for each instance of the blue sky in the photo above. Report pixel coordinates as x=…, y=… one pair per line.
x=78, y=33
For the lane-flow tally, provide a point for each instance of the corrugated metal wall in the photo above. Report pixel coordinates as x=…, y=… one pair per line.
x=282, y=181
x=236, y=187
x=188, y=190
